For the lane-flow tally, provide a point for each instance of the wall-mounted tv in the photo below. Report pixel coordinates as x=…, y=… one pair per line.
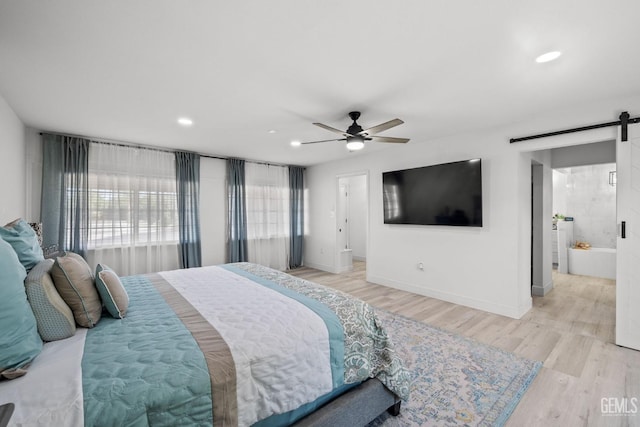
x=445, y=194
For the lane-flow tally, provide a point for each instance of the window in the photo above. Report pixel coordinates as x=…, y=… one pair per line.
x=267, y=204
x=118, y=217
x=132, y=197
x=267, y=211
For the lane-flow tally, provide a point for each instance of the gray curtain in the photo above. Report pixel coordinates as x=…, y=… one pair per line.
x=65, y=192
x=237, y=212
x=188, y=194
x=296, y=216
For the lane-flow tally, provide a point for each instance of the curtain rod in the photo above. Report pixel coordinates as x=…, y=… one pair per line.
x=155, y=148
x=624, y=121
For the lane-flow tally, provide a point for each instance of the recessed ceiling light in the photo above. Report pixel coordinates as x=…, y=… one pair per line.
x=295, y=143
x=549, y=56
x=185, y=121
x=272, y=131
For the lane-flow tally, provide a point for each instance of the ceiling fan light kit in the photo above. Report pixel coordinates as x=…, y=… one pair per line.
x=355, y=143
x=355, y=136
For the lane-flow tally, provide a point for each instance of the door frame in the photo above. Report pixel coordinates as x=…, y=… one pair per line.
x=336, y=219
x=554, y=142
x=541, y=237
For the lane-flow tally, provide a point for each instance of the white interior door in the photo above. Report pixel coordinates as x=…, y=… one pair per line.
x=343, y=214
x=628, y=242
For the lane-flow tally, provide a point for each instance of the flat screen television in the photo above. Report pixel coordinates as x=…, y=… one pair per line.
x=445, y=194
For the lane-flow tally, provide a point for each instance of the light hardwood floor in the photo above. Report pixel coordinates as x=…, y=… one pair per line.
x=571, y=330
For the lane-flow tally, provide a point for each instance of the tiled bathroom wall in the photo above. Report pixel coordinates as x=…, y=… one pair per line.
x=591, y=201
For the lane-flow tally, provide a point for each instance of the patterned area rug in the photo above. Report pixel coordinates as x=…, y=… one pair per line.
x=455, y=381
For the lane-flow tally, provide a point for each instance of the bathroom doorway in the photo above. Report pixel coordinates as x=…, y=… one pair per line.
x=352, y=219
x=573, y=190
x=573, y=199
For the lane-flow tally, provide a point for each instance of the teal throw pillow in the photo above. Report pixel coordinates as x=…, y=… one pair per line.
x=114, y=296
x=19, y=339
x=24, y=241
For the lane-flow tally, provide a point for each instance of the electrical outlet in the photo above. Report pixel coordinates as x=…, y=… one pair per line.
x=420, y=266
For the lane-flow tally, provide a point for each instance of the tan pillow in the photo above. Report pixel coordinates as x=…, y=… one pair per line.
x=73, y=279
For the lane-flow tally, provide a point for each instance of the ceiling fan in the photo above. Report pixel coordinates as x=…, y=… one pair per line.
x=356, y=136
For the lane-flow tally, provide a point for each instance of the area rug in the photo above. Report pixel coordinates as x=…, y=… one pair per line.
x=456, y=381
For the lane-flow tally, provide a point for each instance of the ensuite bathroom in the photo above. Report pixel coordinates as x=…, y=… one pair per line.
x=584, y=222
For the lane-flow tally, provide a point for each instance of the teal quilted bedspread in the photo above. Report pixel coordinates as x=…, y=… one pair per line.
x=145, y=369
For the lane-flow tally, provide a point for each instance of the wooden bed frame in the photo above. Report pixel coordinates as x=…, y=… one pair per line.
x=357, y=407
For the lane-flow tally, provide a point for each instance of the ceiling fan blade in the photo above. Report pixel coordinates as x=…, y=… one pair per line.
x=389, y=139
x=324, y=140
x=381, y=127
x=330, y=129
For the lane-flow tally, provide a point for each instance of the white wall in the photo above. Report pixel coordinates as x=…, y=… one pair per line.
x=542, y=226
x=560, y=191
x=579, y=155
x=455, y=259
x=13, y=174
x=33, y=142
x=487, y=268
x=213, y=210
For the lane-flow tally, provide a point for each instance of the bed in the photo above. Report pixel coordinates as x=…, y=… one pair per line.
x=236, y=344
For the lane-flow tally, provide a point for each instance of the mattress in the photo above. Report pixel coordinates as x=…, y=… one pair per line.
x=237, y=344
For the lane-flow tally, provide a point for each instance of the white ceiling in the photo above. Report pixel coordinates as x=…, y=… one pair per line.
x=127, y=69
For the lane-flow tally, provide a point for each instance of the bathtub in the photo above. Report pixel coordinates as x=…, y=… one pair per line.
x=597, y=262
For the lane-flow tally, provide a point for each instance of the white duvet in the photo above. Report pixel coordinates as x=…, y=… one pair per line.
x=279, y=346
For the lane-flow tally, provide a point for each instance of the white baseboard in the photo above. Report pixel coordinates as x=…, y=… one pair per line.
x=359, y=258
x=345, y=269
x=503, y=310
x=323, y=267
x=541, y=290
